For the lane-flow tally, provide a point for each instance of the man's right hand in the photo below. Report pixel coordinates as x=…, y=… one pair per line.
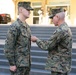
x=13, y=68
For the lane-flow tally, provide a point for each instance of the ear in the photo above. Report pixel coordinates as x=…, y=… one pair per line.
x=58, y=17
x=20, y=9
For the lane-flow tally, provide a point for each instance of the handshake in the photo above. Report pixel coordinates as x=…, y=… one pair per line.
x=34, y=38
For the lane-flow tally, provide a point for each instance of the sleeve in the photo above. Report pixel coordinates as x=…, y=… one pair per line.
x=10, y=43
x=52, y=42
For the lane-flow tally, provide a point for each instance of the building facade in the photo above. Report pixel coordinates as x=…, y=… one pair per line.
x=42, y=10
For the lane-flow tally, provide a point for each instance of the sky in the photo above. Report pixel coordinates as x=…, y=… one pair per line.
x=7, y=6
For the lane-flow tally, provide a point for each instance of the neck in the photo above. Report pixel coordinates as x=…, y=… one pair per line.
x=60, y=22
x=22, y=18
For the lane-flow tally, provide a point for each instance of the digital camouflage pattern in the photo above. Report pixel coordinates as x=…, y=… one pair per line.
x=59, y=48
x=59, y=73
x=55, y=11
x=26, y=5
x=17, y=44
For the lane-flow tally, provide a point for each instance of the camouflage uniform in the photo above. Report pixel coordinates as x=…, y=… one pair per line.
x=59, y=48
x=59, y=73
x=17, y=47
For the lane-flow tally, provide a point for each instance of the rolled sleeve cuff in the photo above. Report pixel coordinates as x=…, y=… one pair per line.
x=38, y=40
x=12, y=62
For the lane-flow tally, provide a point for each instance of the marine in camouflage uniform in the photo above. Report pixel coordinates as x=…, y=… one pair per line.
x=59, y=48
x=17, y=45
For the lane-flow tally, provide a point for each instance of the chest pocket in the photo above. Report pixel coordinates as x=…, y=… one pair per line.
x=24, y=33
x=24, y=37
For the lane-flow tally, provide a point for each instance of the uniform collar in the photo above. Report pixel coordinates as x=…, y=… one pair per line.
x=21, y=23
x=62, y=24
